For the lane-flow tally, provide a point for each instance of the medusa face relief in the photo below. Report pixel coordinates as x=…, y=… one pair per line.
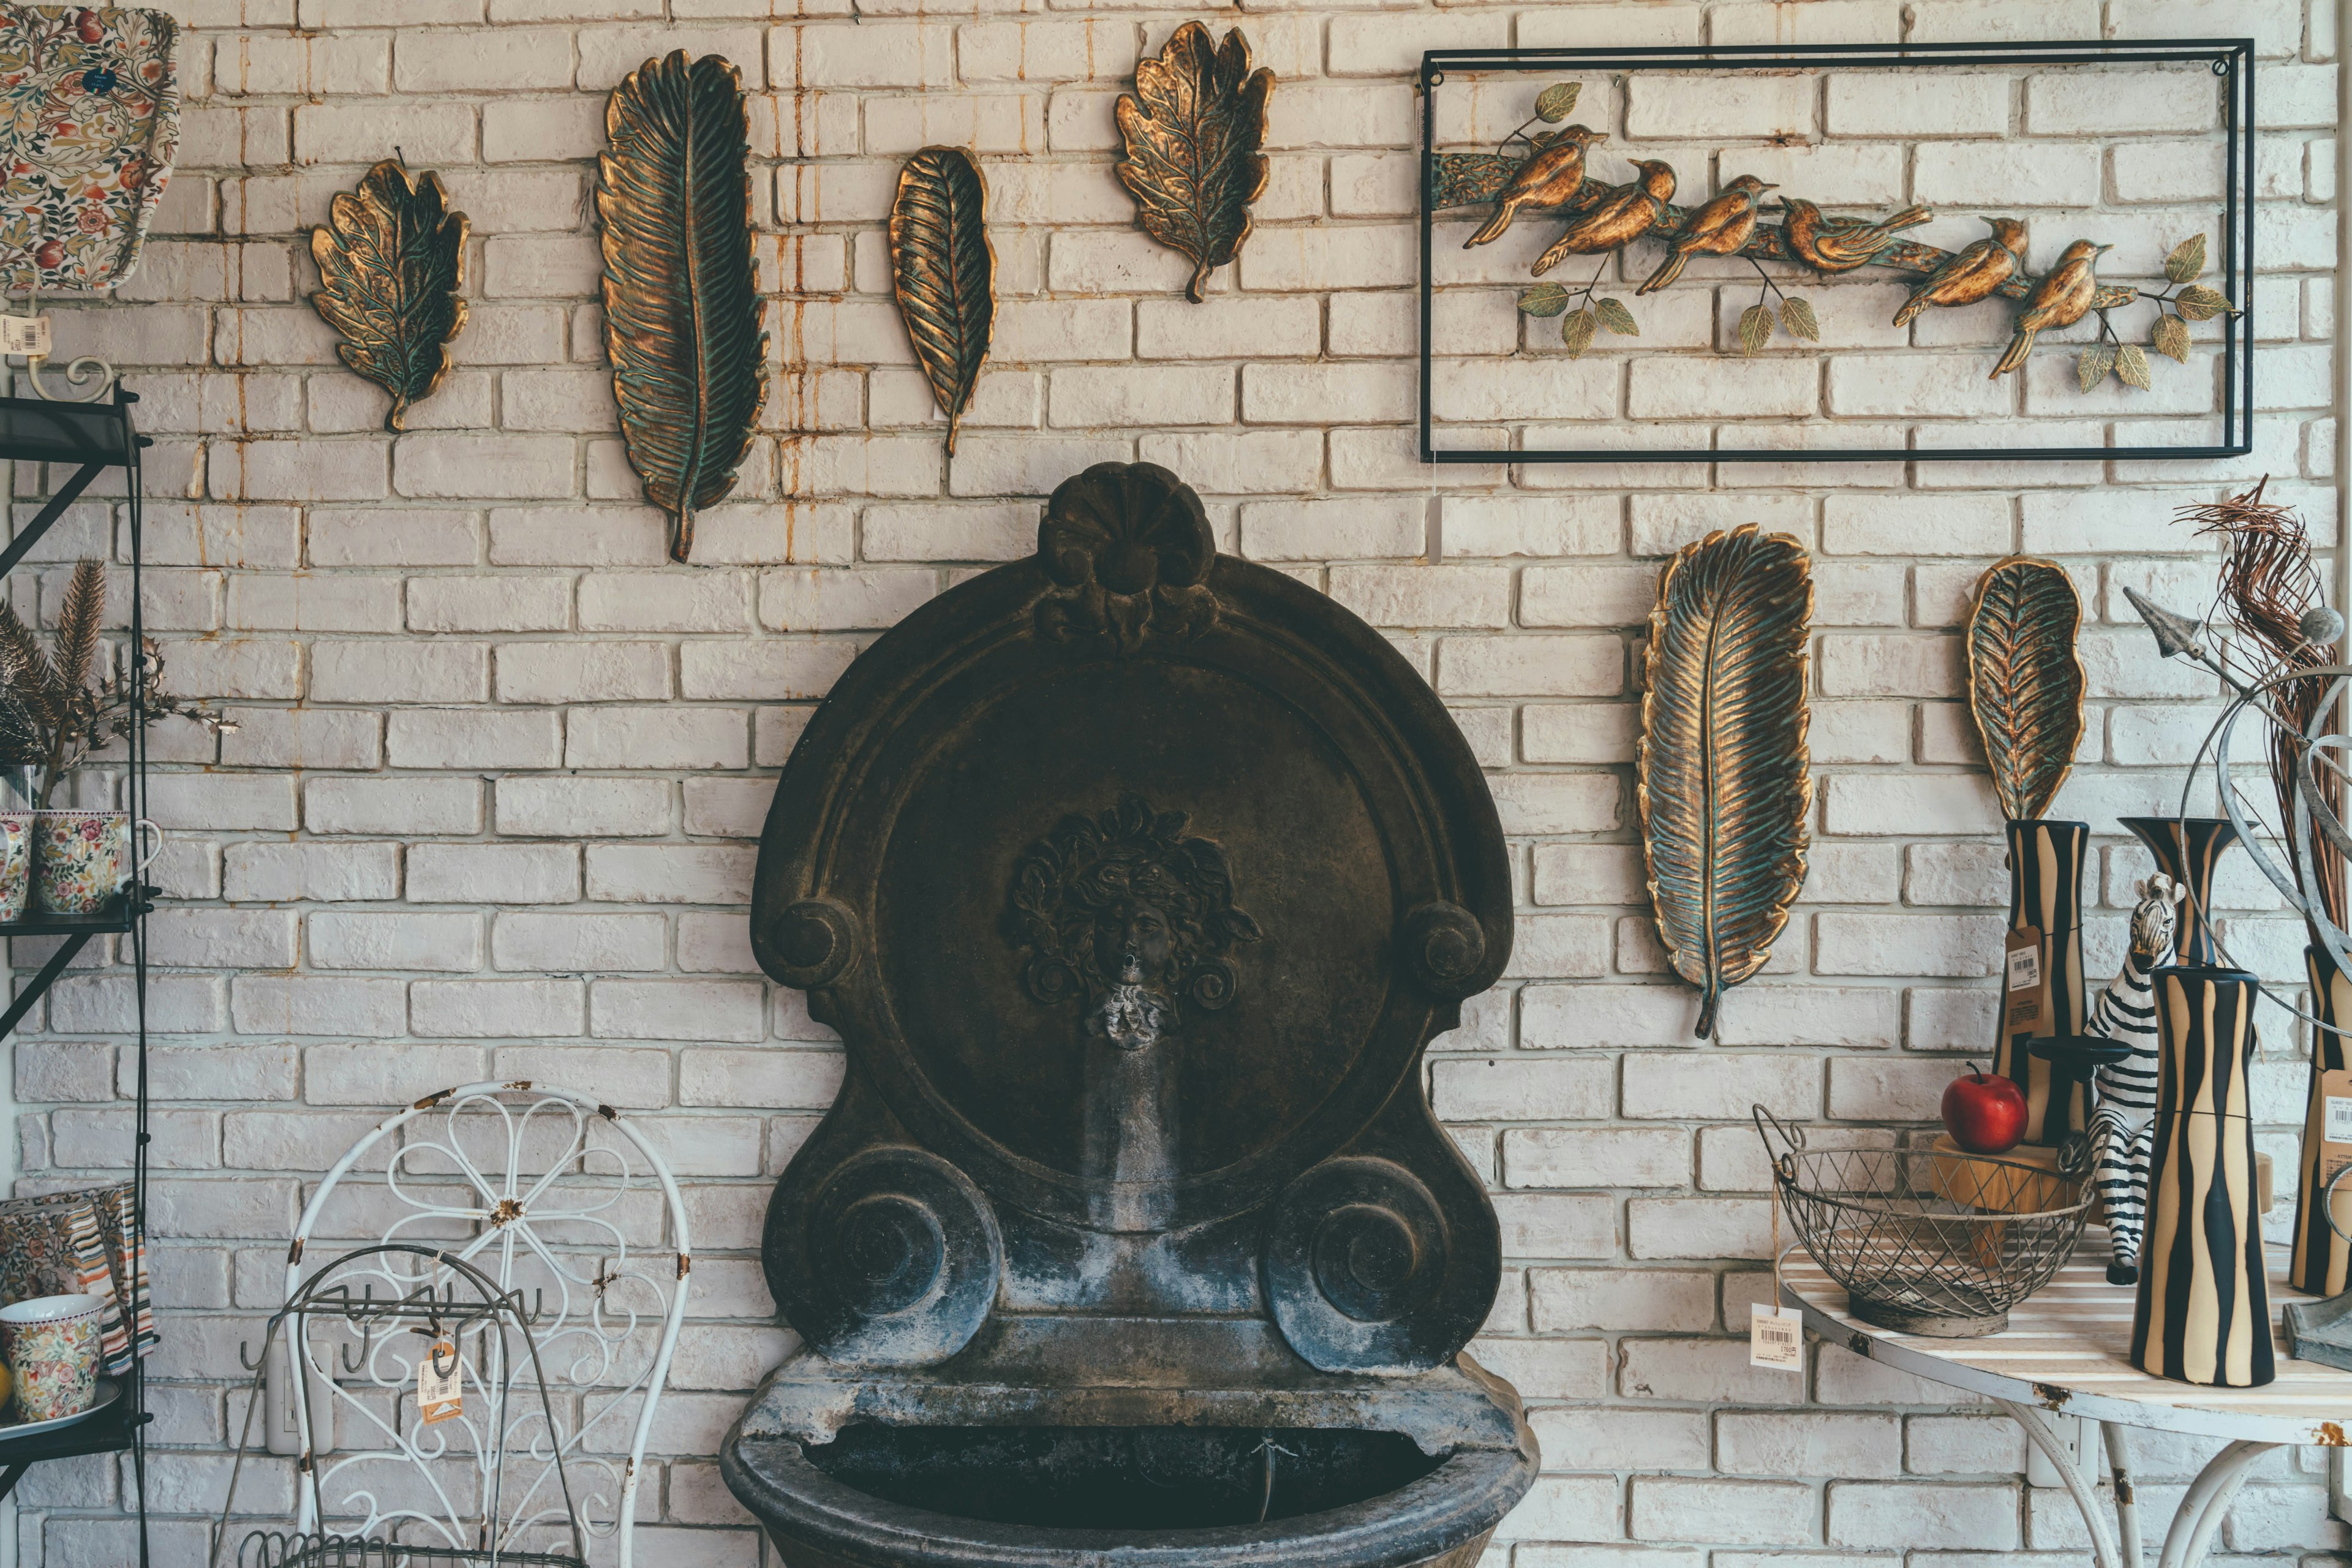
x=1125, y=914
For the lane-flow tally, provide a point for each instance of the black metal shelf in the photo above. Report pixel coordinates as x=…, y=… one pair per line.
x=88, y=438
x=109, y=1433
x=92, y=437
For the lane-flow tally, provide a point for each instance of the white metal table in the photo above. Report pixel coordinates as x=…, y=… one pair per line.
x=2067, y=1350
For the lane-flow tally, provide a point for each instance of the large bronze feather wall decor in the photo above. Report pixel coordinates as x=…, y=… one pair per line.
x=682, y=306
x=391, y=281
x=1194, y=133
x=1721, y=776
x=2026, y=680
x=943, y=271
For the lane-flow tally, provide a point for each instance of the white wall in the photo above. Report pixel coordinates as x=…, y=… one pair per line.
x=492, y=807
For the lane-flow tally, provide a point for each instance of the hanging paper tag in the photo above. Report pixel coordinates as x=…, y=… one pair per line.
x=2027, y=1002
x=25, y=335
x=437, y=1396
x=1776, y=1337
x=2335, y=1125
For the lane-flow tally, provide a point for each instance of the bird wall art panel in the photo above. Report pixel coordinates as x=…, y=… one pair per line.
x=2008, y=253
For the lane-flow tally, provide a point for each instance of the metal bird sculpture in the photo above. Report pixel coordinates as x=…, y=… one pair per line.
x=1550, y=179
x=1971, y=273
x=1841, y=244
x=1719, y=228
x=1621, y=215
x=2059, y=299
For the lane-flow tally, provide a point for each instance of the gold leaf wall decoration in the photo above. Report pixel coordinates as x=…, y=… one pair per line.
x=1194, y=128
x=944, y=272
x=2026, y=680
x=682, y=309
x=1721, y=780
x=392, y=281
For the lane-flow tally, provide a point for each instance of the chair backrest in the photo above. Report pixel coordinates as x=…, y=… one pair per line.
x=551, y=1194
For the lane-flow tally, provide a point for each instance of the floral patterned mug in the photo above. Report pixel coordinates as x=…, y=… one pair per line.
x=50, y=1344
x=81, y=860
x=15, y=865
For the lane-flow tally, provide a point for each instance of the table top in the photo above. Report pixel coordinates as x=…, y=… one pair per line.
x=2067, y=1349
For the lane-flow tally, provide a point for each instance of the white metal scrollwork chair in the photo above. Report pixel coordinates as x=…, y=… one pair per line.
x=541, y=1194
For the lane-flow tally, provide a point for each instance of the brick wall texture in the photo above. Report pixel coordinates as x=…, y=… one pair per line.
x=492, y=807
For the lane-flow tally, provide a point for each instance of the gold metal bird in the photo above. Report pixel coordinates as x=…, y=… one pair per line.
x=1971, y=273
x=1623, y=215
x=1550, y=179
x=1719, y=228
x=2059, y=299
x=1841, y=244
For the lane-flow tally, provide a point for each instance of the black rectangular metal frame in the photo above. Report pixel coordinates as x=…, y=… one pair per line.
x=2230, y=58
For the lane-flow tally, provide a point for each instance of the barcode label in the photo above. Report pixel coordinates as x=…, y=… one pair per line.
x=25, y=335
x=2336, y=1123
x=2025, y=967
x=1776, y=1337
x=439, y=1396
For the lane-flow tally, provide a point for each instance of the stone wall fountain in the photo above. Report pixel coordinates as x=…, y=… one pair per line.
x=1138, y=879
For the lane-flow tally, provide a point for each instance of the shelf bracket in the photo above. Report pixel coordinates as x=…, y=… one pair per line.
x=67, y=495
x=23, y=1000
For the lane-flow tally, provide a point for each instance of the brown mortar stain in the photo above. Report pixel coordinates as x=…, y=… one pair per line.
x=2330, y=1434
x=2052, y=1397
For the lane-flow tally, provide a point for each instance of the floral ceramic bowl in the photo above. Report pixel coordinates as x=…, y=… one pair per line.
x=50, y=1344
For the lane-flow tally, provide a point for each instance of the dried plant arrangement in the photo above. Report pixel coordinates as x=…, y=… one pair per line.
x=58, y=706
x=2269, y=585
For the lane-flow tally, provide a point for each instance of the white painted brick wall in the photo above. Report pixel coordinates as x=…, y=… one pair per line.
x=492, y=803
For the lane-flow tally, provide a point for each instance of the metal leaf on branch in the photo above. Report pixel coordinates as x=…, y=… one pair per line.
x=1545, y=300
x=1192, y=132
x=1556, y=103
x=1755, y=328
x=392, y=280
x=944, y=272
x=2200, y=303
x=2171, y=337
x=2186, y=262
x=1577, y=331
x=1797, y=317
x=1617, y=318
x=2131, y=366
x=2092, y=367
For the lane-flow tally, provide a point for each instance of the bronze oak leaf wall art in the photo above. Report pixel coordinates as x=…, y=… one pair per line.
x=391, y=281
x=2026, y=680
x=943, y=270
x=1193, y=130
x=682, y=309
x=1720, y=774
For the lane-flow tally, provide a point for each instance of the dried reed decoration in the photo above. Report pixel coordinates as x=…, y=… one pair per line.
x=2268, y=582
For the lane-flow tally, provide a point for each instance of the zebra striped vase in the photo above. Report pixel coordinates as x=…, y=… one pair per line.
x=2203, y=1311
x=2188, y=850
x=2045, y=892
x=2323, y=1259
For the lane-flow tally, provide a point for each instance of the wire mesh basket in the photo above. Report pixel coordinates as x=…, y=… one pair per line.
x=1930, y=1241
x=274, y=1549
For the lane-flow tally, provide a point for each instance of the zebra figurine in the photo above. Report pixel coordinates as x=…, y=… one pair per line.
x=2123, y=1128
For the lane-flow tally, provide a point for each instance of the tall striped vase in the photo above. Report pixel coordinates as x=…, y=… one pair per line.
x=2187, y=850
x=2203, y=1311
x=2045, y=892
x=2323, y=1259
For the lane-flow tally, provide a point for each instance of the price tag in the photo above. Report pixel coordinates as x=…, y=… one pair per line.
x=438, y=1397
x=1776, y=1337
x=2027, y=1002
x=25, y=335
x=2336, y=1133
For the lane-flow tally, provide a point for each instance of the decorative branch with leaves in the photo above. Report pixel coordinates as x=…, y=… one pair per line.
x=55, y=708
x=1580, y=329
x=1795, y=316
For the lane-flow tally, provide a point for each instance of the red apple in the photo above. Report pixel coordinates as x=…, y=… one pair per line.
x=1984, y=1114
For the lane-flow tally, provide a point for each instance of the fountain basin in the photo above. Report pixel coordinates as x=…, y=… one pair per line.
x=1155, y=1496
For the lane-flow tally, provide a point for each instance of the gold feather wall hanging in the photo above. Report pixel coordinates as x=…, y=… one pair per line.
x=391, y=281
x=1192, y=129
x=2026, y=680
x=682, y=306
x=943, y=270
x=1722, y=785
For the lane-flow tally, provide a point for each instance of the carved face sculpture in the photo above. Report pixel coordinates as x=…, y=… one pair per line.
x=1127, y=912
